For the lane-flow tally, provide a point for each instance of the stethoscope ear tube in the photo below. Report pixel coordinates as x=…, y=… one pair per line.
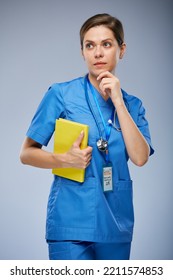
x=90, y=106
x=114, y=123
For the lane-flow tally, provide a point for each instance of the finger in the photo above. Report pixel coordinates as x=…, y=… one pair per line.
x=79, y=139
x=88, y=162
x=88, y=157
x=88, y=150
x=105, y=83
x=103, y=75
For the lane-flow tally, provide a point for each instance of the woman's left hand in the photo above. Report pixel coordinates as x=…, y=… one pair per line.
x=136, y=145
x=110, y=87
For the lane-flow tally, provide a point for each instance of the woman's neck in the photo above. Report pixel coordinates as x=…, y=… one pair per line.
x=95, y=83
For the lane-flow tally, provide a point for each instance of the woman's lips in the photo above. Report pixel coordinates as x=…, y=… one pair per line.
x=99, y=64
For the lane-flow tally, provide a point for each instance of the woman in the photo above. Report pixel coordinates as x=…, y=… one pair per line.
x=94, y=219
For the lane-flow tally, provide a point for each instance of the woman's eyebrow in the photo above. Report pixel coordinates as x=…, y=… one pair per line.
x=91, y=41
x=107, y=39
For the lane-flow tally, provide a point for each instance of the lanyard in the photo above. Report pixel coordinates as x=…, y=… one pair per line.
x=107, y=128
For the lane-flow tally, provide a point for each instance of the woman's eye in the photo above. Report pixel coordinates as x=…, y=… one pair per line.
x=89, y=46
x=107, y=44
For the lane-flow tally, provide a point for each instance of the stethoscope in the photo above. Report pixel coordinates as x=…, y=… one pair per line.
x=102, y=144
x=113, y=123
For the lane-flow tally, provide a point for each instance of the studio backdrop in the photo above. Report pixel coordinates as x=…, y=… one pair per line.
x=39, y=46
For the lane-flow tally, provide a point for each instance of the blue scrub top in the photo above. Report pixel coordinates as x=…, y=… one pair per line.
x=82, y=211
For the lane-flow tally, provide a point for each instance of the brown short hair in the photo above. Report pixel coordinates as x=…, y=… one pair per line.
x=109, y=21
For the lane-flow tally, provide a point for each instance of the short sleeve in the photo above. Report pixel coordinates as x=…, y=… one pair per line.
x=43, y=123
x=143, y=125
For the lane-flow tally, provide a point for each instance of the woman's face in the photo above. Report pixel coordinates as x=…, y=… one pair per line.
x=101, y=50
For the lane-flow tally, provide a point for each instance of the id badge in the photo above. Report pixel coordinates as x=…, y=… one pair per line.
x=107, y=178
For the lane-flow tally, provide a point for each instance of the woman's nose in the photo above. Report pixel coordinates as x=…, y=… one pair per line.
x=98, y=51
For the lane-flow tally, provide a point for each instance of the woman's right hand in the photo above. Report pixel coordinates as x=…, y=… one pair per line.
x=76, y=157
x=33, y=154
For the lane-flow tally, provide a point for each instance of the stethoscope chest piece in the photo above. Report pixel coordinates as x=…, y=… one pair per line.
x=102, y=145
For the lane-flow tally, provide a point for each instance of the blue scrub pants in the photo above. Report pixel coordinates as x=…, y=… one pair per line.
x=82, y=250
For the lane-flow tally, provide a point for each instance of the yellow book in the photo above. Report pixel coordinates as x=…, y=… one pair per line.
x=66, y=133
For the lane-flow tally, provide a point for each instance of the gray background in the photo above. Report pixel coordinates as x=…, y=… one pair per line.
x=39, y=45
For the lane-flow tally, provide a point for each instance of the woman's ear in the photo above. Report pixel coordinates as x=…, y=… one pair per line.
x=122, y=50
